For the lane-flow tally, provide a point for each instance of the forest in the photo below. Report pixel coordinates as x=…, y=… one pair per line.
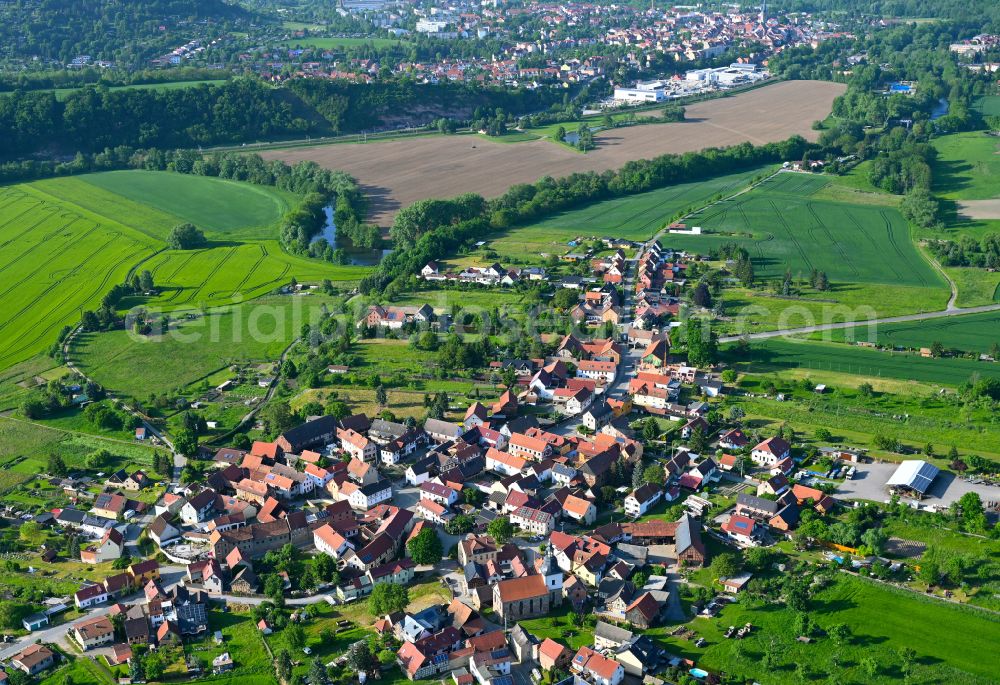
x=241, y=110
x=125, y=32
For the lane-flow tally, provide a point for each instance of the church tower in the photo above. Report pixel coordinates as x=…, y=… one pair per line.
x=553, y=576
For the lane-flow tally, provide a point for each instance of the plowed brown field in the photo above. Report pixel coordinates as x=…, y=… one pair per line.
x=398, y=172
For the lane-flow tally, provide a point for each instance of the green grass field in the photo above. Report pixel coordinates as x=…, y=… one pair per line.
x=223, y=209
x=988, y=105
x=953, y=644
x=970, y=333
x=967, y=167
x=24, y=448
x=194, y=349
x=778, y=355
x=785, y=227
x=976, y=287
x=636, y=217
x=912, y=411
x=335, y=43
x=63, y=93
x=64, y=242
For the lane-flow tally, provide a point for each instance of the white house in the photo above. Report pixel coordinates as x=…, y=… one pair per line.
x=198, y=508
x=642, y=499
x=597, y=370
x=330, y=542
x=90, y=595
x=438, y=493
x=367, y=496
x=770, y=452
x=504, y=462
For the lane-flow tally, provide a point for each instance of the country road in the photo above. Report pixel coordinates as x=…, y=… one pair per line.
x=951, y=309
x=869, y=322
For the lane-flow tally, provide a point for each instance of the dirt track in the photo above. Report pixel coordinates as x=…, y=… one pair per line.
x=399, y=172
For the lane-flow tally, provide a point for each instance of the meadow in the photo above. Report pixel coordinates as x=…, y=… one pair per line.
x=988, y=105
x=782, y=354
x=913, y=412
x=342, y=42
x=952, y=644
x=636, y=217
x=25, y=447
x=967, y=166
x=64, y=242
x=194, y=348
x=971, y=333
x=63, y=93
x=785, y=227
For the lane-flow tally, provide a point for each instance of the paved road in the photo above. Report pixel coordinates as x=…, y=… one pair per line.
x=626, y=369
x=889, y=319
x=169, y=575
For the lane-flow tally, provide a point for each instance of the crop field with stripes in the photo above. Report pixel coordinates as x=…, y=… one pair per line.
x=64, y=242
x=54, y=260
x=785, y=228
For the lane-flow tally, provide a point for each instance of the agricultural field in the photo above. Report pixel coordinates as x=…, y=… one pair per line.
x=881, y=621
x=748, y=311
x=223, y=209
x=777, y=355
x=971, y=333
x=636, y=217
x=55, y=259
x=399, y=172
x=785, y=228
x=194, y=348
x=233, y=273
x=68, y=240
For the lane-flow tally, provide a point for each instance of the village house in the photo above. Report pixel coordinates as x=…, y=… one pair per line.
x=396, y=317
x=533, y=520
x=356, y=445
x=579, y=509
x=109, y=548
x=596, y=668
x=33, y=659
x=94, y=632
x=741, y=529
x=770, y=451
x=642, y=499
